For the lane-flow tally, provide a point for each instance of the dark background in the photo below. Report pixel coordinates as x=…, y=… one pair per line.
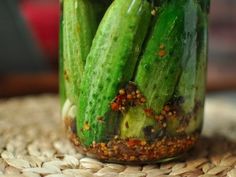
x=29, y=46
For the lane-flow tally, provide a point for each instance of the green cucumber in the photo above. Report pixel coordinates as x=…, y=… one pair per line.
x=187, y=82
x=170, y=34
x=110, y=64
x=79, y=26
x=202, y=52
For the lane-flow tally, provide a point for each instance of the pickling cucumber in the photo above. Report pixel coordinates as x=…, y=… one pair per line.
x=79, y=27
x=187, y=82
x=110, y=64
x=202, y=52
x=163, y=58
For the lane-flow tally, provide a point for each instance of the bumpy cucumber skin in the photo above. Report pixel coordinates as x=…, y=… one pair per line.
x=187, y=82
x=110, y=63
x=163, y=71
x=79, y=26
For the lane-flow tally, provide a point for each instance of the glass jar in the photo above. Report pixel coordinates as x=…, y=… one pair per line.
x=132, y=77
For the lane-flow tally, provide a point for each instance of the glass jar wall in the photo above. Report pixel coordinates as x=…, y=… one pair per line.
x=132, y=77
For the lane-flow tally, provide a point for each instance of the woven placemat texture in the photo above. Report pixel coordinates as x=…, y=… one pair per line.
x=33, y=144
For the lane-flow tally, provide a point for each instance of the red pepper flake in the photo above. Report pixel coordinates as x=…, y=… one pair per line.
x=149, y=112
x=133, y=142
x=119, y=98
x=129, y=96
x=115, y=106
x=162, y=53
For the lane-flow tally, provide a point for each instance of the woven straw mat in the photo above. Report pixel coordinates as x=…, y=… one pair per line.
x=33, y=144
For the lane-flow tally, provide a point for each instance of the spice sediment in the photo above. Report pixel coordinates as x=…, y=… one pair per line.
x=136, y=150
